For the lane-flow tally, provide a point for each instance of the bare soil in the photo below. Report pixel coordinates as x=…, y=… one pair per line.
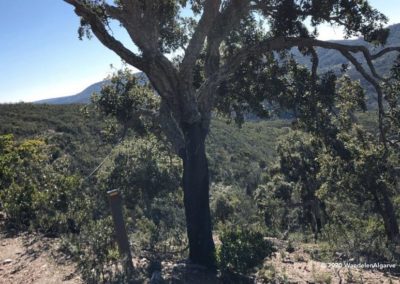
x=29, y=259
x=299, y=267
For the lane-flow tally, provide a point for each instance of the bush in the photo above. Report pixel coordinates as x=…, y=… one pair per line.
x=360, y=238
x=148, y=177
x=242, y=250
x=96, y=252
x=33, y=193
x=231, y=206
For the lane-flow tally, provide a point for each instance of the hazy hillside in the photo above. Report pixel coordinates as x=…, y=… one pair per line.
x=84, y=96
x=80, y=98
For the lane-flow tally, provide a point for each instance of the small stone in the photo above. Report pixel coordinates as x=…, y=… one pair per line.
x=287, y=260
x=7, y=261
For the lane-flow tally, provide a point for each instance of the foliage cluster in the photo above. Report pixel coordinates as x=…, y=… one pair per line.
x=332, y=175
x=34, y=193
x=242, y=249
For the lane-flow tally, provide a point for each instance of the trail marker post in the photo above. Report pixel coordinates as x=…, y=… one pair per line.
x=115, y=201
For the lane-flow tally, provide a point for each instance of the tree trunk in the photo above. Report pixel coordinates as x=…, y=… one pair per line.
x=386, y=210
x=196, y=196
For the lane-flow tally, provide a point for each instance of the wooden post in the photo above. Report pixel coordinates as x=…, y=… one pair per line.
x=115, y=201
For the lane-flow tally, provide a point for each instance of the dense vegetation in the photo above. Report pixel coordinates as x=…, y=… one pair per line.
x=65, y=127
x=267, y=180
x=49, y=152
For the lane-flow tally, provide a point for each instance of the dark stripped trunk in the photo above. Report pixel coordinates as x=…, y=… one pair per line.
x=386, y=210
x=196, y=197
x=314, y=211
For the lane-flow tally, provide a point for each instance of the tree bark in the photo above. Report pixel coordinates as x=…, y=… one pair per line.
x=196, y=196
x=386, y=210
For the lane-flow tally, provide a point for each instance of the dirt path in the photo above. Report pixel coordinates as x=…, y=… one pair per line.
x=299, y=267
x=27, y=260
x=30, y=259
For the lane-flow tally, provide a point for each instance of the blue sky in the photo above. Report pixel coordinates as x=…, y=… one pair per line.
x=42, y=57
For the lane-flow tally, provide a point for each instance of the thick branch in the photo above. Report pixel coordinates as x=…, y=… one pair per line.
x=159, y=69
x=281, y=43
x=384, y=51
x=100, y=31
x=315, y=62
x=378, y=89
x=211, y=9
x=224, y=24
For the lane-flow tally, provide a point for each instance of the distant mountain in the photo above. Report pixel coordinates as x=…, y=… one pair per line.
x=80, y=98
x=84, y=96
x=328, y=60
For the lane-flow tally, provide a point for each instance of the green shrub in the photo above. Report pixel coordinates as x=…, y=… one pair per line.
x=361, y=238
x=96, y=252
x=35, y=190
x=232, y=206
x=242, y=250
x=16, y=202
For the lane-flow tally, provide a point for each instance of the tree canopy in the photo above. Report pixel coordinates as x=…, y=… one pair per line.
x=217, y=54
